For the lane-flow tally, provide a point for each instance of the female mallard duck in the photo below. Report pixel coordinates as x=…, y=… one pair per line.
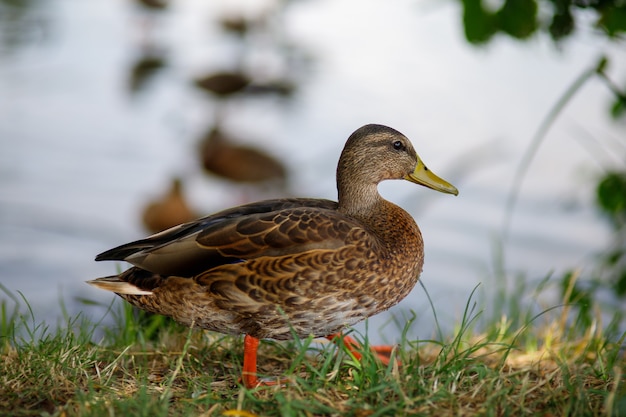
x=297, y=266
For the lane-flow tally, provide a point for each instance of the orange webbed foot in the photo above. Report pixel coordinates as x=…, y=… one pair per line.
x=249, y=376
x=383, y=352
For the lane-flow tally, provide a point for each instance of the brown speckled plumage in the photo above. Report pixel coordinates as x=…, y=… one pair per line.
x=308, y=265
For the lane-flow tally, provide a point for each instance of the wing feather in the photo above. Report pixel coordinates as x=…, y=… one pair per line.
x=266, y=228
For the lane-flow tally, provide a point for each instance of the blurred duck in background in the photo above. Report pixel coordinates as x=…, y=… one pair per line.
x=147, y=64
x=169, y=210
x=223, y=84
x=153, y=4
x=240, y=163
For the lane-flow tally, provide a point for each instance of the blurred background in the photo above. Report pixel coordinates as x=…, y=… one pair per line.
x=119, y=118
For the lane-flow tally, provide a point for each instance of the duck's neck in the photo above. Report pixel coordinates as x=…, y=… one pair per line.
x=359, y=200
x=385, y=220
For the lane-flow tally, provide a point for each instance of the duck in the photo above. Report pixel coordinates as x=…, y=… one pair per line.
x=169, y=210
x=239, y=163
x=145, y=67
x=223, y=84
x=153, y=4
x=290, y=267
x=238, y=25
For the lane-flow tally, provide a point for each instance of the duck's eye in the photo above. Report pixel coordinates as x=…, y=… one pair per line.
x=398, y=145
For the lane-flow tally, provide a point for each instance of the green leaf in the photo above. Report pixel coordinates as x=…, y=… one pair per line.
x=479, y=24
x=618, y=108
x=518, y=18
x=613, y=20
x=611, y=193
x=619, y=286
x=562, y=24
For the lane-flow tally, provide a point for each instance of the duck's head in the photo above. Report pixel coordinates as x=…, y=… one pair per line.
x=374, y=153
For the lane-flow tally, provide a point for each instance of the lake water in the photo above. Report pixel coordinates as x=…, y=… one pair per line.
x=81, y=154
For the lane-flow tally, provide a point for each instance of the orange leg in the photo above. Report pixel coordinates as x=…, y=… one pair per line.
x=382, y=352
x=250, y=347
x=249, y=376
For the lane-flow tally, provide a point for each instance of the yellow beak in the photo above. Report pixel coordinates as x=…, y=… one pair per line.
x=425, y=177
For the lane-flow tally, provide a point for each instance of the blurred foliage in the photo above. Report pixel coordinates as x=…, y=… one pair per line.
x=618, y=107
x=575, y=293
x=521, y=19
x=610, y=276
x=611, y=199
x=22, y=22
x=611, y=193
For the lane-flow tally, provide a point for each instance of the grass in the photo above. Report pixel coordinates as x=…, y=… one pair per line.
x=542, y=364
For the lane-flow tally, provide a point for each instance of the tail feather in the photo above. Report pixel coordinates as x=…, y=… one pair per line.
x=113, y=283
